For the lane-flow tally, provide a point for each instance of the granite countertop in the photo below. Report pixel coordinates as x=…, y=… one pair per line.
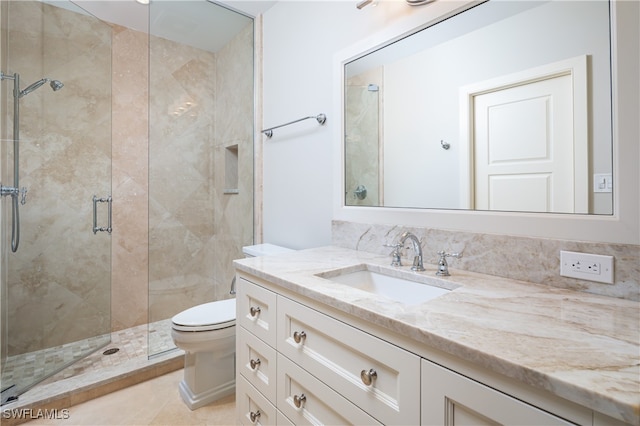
x=582, y=347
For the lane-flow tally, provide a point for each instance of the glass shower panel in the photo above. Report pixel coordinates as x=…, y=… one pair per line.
x=201, y=106
x=56, y=285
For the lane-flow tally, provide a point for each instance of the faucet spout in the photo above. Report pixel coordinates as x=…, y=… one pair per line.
x=417, y=249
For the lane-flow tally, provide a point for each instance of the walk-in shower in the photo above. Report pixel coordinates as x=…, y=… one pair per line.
x=182, y=188
x=15, y=191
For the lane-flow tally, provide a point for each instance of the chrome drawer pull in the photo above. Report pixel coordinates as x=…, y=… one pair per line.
x=299, y=400
x=299, y=336
x=255, y=363
x=254, y=311
x=368, y=376
x=254, y=416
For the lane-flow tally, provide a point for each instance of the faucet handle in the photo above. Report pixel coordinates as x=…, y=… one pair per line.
x=443, y=266
x=445, y=254
x=395, y=254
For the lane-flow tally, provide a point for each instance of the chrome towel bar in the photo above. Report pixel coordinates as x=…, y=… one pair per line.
x=321, y=118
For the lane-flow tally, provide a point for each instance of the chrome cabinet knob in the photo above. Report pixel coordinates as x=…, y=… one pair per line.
x=254, y=416
x=254, y=363
x=368, y=377
x=298, y=401
x=299, y=336
x=254, y=311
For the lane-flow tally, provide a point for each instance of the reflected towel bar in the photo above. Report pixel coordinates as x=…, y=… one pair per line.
x=321, y=118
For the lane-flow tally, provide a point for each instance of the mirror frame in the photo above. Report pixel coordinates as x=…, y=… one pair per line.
x=622, y=227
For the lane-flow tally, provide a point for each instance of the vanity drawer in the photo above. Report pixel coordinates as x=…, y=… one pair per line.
x=252, y=407
x=318, y=404
x=256, y=310
x=256, y=361
x=339, y=354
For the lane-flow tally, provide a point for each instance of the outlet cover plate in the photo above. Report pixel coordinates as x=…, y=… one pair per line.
x=586, y=266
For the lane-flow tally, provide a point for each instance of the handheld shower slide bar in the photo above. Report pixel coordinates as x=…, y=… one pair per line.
x=16, y=190
x=321, y=118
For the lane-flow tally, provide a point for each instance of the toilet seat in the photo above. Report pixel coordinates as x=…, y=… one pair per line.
x=207, y=317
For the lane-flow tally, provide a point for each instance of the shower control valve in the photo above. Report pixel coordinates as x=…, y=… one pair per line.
x=23, y=195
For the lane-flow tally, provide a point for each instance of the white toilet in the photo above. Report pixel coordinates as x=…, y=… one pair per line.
x=207, y=334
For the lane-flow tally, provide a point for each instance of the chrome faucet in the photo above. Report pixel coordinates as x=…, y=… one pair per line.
x=417, y=249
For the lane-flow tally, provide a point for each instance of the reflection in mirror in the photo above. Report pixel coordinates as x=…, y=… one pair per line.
x=506, y=106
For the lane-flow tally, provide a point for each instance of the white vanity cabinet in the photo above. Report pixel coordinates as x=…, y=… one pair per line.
x=303, y=362
x=314, y=369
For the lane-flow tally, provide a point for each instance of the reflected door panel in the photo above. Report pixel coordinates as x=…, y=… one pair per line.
x=524, y=148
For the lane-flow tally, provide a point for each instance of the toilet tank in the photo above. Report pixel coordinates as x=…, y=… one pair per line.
x=263, y=250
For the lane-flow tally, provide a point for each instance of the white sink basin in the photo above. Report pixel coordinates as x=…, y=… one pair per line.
x=402, y=290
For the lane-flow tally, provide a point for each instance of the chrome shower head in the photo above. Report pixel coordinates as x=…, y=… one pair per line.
x=55, y=85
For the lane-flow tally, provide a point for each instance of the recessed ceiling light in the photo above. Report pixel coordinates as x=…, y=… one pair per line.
x=143, y=1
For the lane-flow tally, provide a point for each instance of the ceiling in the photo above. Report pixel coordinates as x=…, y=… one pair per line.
x=203, y=24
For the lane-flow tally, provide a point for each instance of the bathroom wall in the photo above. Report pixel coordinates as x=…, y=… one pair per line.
x=298, y=82
x=299, y=79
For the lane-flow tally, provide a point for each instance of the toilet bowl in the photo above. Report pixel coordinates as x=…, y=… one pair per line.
x=207, y=334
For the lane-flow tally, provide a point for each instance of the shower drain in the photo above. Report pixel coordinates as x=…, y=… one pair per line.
x=110, y=351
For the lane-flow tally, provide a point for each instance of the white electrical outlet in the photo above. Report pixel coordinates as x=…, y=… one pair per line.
x=585, y=266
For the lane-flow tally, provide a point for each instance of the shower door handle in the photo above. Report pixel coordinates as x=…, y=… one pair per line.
x=97, y=200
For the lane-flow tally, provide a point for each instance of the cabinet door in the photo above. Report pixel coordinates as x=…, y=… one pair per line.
x=345, y=357
x=256, y=361
x=252, y=407
x=449, y=398
x=256, y=310
x=306, y=400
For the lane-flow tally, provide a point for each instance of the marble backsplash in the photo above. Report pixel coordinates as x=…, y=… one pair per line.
x=535, y=260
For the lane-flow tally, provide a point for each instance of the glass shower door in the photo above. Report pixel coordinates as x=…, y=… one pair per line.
x=56, y=278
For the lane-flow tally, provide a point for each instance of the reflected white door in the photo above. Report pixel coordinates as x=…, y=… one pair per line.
x=529, y=145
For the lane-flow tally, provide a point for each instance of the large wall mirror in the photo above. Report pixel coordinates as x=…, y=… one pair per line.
x=506, y=106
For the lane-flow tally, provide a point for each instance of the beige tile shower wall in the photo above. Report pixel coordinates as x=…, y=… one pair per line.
x=536, y=260
x=234, y=126
x=200, y=104
x=59, y=280
x=130, y=70
x=181, y=214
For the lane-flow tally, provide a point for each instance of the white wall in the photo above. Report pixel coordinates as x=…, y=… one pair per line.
x=300, y=39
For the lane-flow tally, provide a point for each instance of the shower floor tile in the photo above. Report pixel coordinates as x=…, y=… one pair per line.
x=132, y=343
x=129, y=363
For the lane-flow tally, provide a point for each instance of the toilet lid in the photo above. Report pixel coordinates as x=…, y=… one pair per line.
x=208, y=316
